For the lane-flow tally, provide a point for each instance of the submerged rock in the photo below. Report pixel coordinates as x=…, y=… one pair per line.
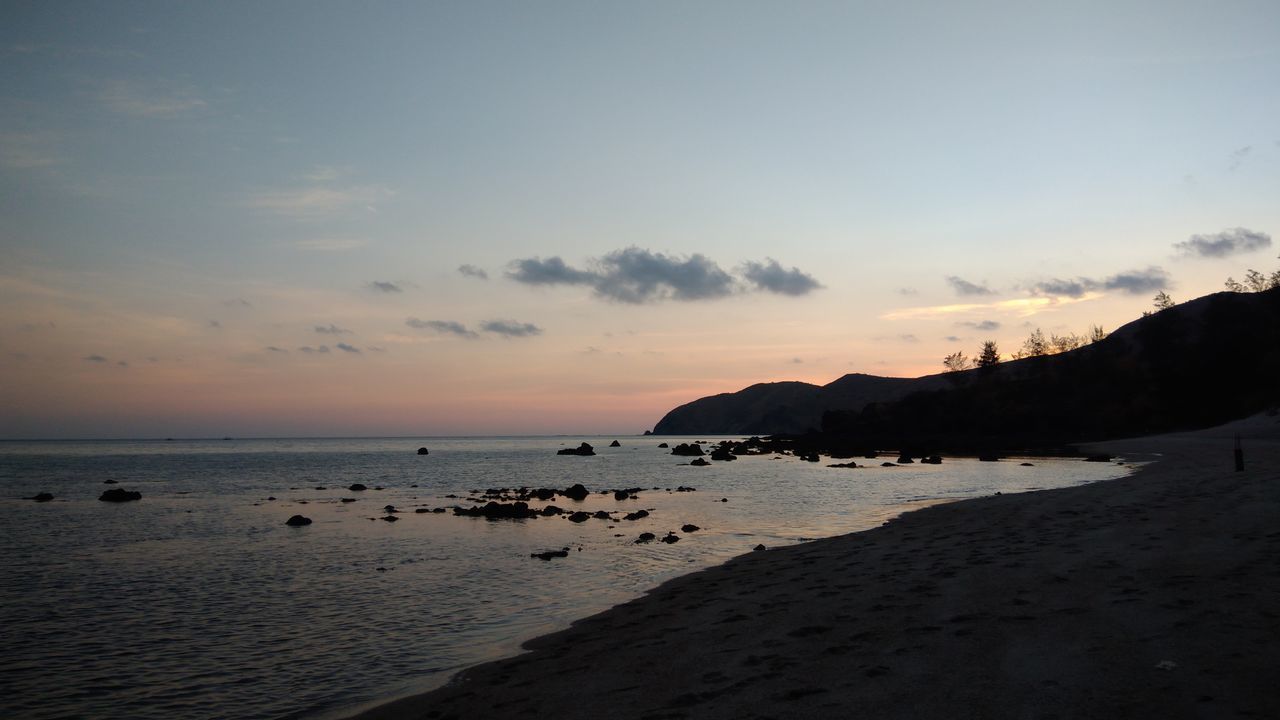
x=297, y=521
x=42, y=497
x=356, y=487
x=645, y=538
x=579, y=517
x=689, y=528
x=497, y=511
x=637, y=515
x=699, y=462
x=547, y=555
x=119, y=495
x=671, y=538
x=663, y=445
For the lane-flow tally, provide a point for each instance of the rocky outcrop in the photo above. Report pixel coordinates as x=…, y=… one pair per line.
x=118, y=495
x=583, y=449
x=687, y=450
x=298, y=521
x=423, y=451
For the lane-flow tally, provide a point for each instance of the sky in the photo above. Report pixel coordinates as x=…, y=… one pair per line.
x=460, y=218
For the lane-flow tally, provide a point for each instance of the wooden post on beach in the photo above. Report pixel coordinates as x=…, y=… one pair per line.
x=1239, y=454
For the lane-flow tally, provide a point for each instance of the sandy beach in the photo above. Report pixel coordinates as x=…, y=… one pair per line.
x=1152, y=596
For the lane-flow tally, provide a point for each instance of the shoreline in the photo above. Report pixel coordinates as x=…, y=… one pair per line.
x=1155, y=594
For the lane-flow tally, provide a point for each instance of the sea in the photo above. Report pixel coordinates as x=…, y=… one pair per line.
x=198, y=601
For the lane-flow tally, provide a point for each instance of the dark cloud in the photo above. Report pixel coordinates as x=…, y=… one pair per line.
x=331, y=330
x=475, y=272
x=770, y=276
x=634, y=275
x=446, y=327
x=384, y=286
x=966, y=288
x=348, y=348
x=984, y=325
x=309, y=350
x=95, y=358
x=1133, y=282
x=511, y=328
x=274, y=349
x=1227, y=242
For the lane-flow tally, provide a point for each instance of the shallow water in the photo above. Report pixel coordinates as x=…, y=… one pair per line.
x=198, y=601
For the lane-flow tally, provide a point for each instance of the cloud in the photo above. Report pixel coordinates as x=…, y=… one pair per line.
x=983, y=325
x=1133, y=282
x=132, y=99
x=238, y=302
x=966, y=288
x=332, y=329
x=215, y=324
x=309, y=350
x=635, y=275
x=445, y=327
x=122, y=363
x=511, y=328
x=274, y=349
x=908, y=337
x=95, y=358
x=908, y=291
x=26, y=151
x=1237, y=157
x=348, y=348
x=952, y=338
x=384, y=287
x=770, y=276
x=1222, y=244
x=475, y=272
x=330, y=244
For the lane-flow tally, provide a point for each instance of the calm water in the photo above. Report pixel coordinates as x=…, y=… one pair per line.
x=198, y=601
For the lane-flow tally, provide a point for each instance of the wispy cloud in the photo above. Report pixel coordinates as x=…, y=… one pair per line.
x=635, y=275
x=274, y=349
x=28, y=150
x=1133, y=282
x=311, y=350
x=511, y=328
x=1225, y=243
x=95, y=359
x=965, y=288
x=444, y=327
x=348, y=348
x=130, y=98
x=238, y=303
x=1237, y=157
x=314, y=202
x=473, y=271
x=331, y=329
x=383, y=286
x=981, y=325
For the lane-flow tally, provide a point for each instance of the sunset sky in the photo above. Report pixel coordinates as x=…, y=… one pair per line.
x=313, y=218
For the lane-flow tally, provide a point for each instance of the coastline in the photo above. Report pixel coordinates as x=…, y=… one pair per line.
x=1156, y=594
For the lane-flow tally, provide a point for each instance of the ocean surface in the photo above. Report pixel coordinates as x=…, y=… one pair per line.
x=199, y=602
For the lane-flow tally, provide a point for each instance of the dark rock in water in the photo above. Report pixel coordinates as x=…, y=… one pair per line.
x=689, y=528
x=601, y=515
x=297, y=521
x=615, y=443
x=108, y=482
x=932, y=460
x=699, y=462
x=389, y=508
x=989, y=457
x=759, y=548
x=437, y=510
x=724, y=499
x=356, y=487
x=390, y=518
x=543, y=494
x=887, y=464
x=583, y=449
x=1098, y=458
x=663, y=445
x=671, y=538
x=811, y=457
x=118, y=495
x=870, y=456
x=321, y=487
x=273, y=497
x=723, y=453
x=422, y=510
x=345, y=500
x=579, y=517
x=497, y=511
x=423, y=451
x=42, y=497
x=690, y=450
x=844, y=465
x=576, y=492
x=682, y=488
x=636, y=515
x=645, y=538
x=547, y=555
x=1026, y=465
x=620, y=495
x=552, y=510
x=904, y=460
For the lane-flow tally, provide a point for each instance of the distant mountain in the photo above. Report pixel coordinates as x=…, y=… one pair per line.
x=1206, y=361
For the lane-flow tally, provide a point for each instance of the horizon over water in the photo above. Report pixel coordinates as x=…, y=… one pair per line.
x=198, y=601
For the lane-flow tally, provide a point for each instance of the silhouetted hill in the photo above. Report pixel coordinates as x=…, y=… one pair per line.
x=1197, y=364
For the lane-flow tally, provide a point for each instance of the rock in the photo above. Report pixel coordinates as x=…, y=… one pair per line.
x=615, y=443
x=356, y=487
x=390, y=518
x=637, y=515
x=543, y=494
x=547, y=555
x=932, y=460
x=645, y=538
x=699, y=462
x=663, y=445
x=389, y=508
x=1025, y=465
x=671, y=538
x=345, y=500
x=811, y=457
x=42, y=497
x=437, y=510
x=422, y=510
x=905, y=460
x=497, y=511
x=271, y=497
x=686, y=449
x=759, y=548
x=601, y=515
x=844, y=465
x=583, y=449
x=118, y=495
x=297, y=521
x=724, y=499
x=689, y=528
x=887, y=464
x=620, y=495
x=1098, y=458
x=108, y=482
x=423, y=451
x=579, y=517
x=682, y=488
x=552, y=510
x=723, y=453
x=576, y=492
x=989, y=457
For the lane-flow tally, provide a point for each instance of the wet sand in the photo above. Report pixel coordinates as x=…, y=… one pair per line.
x=1155, y=595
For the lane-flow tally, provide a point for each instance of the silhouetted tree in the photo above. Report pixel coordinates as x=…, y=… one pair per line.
x=1096, y=333
x=956, y=361
x=1162, y=301
x=1033, y=346
x=989, y=356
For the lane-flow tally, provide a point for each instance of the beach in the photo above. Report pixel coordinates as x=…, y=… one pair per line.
x=1154, y=595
